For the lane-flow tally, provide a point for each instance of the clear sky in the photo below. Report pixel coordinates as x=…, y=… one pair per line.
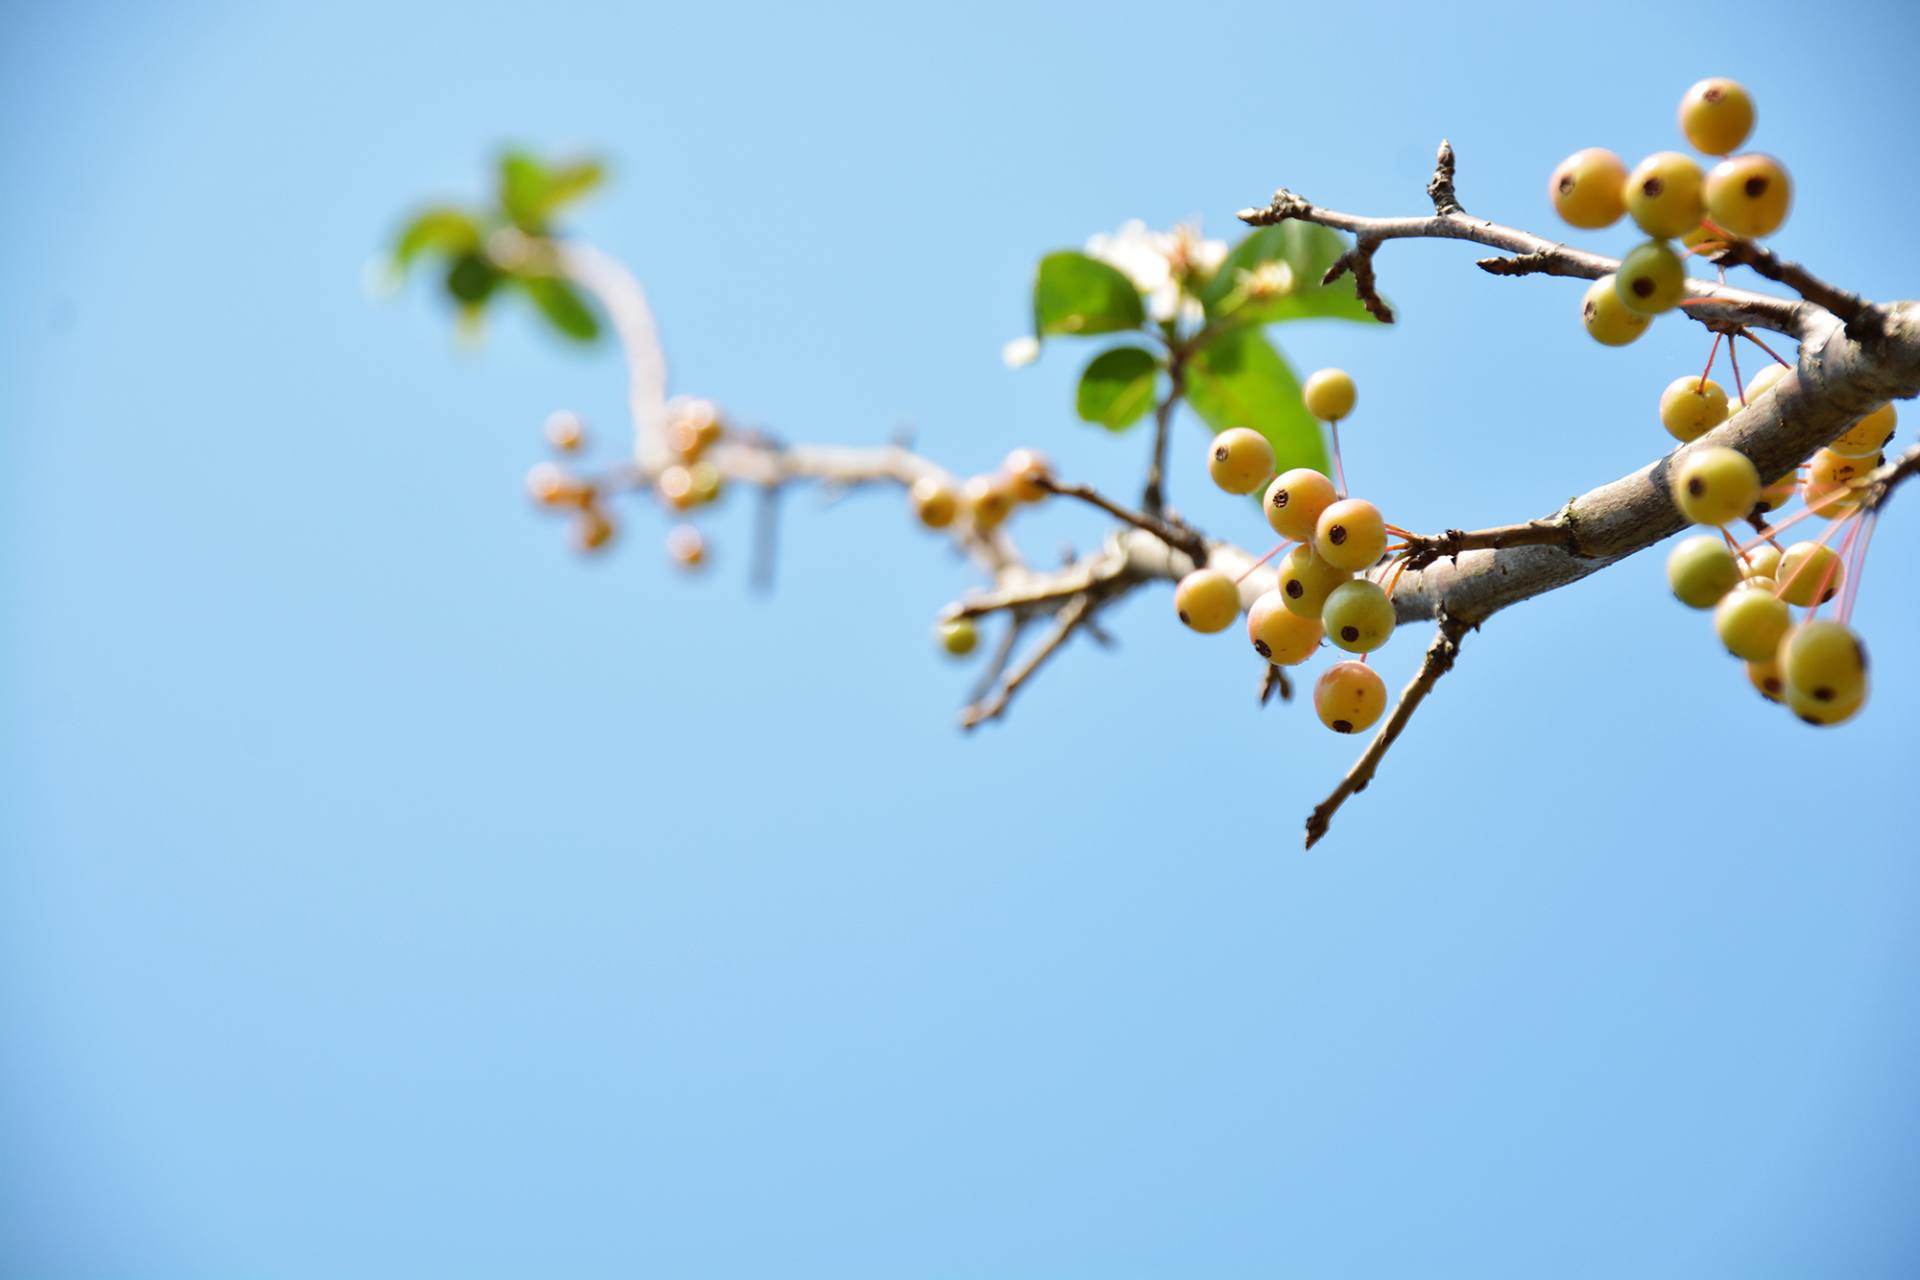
x=383, y=892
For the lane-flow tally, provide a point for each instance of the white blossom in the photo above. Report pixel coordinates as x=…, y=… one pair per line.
x=1020, y=353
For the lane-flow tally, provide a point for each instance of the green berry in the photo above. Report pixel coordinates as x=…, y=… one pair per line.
x=1700, y=570
x=1664, y=195
x=1750, y=622
x=1280, y=635
x=1295, y=500
x=1749, y=195
x=1586, y=188
x=1804, y=568
x=1824, y=662
x=1350, y=534
x=1692, y=406
x=1716, y=115
x=1715, y=485
x=1868, y=436
x=1306, y=580
x=1329, y=394
x=1651, y=278
x=1207, y=600
x=1357, y=616
x=1240, y=460
x=957, y=636
x=1610, y=321
x=1349, y=697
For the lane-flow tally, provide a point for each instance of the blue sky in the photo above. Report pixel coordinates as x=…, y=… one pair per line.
x=387, y=893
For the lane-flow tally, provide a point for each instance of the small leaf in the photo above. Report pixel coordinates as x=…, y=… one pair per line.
x=1238, y=380
x=1306, y=251
x=1117, y=386
x=563, y=307
x=471, y=279
x=1076, y=294
x=570, y=182
x=443, y=228
x=524, y=187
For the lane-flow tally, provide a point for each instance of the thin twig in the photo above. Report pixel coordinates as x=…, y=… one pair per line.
x=1154, y=496
x=1274, y=680
x=1172, y=532
x=1863, y=320
x=1065, y=623
x=1439, y=660
x=1555, y=531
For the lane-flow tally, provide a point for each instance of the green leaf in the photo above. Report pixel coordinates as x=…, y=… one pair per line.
x=1076, y=294
x=1307, y=250
x=443, y=229
x=563, y=307
x=1116, y=387
x=572, y=181
x=1238, y=380
x=471, y=279
x=524, y=183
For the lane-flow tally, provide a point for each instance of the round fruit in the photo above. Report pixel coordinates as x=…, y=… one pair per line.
x=1357, y=616
x=1765, y=381
x=935, y=501
x=1816, y=712
x=988, y=500
x=1026, y=471
x=1207, y=600
x=1749, y=195
x=1829, y=500
x=1586, y=188
x=686, y=547
x=1765, y=676
x=1350, y=534
x=549, y=486
x=1306, y=580
x=1295, y=500
x=706, y=482
x=1663, y=195
x=1827, y=468
x=1610, y=321
x=675, y=486
x=1779, y=493
x=1700, y=570
x=1651, y=278
x=1692, y=406
x=1716, y=115
x=1280, y=635
x=1763, y=561
x=1349, y=696
x=564, y=431
x=1869, y=435
x=1329, y=395
x=1750, y=623
x=1804, y=568
x=1823, y=661
x=957, y=636
x=1240, y=460
x=1715, y=485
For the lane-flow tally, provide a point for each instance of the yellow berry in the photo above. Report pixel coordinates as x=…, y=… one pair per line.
x=1765, y=676
x=1868, y=436
x=1651, y=278
x=1779, y=493
x=1305, y=581
x=1663, y=194
x=686, y=547
x=1357, y=616
x=1824, y=661
x=1207, y=600
x=1350, y=534
x=989, y=501
x=1750, y=622
x=1700, y=570
x=1240, y=460
x=675, y=485
x=1295, y=500
x=1692, y=406
x=1026, y=471
x=957, y=636
x=706, y=482
x=1349, y=697
x=1763, y=561
x=1586, y=188
x=1829, y=500
x=564, y=431
x=935, y=501
x=1749, y=195
x=1716, y=115
x=1834, y=711
x=1330, y=394
x=1280, y=635
x=1715, y=485
x=1610, y=321
x=549, y=486
x=1809, y=570
x=1827, y=468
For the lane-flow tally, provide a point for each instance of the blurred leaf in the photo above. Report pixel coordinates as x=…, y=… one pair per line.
x=1116, y=387
x=563, y=307
x=443, y=228
x=1075, y=294
x=1238, y=380
x=572, y=181
x=471, y=279
x=1307, y=251
x=531, y=192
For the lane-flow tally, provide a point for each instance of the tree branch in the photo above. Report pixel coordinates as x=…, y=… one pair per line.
x=1863, y=320
x=1439, y=660
x=1173, y=532
x=1154, y=496
x=1069, y=620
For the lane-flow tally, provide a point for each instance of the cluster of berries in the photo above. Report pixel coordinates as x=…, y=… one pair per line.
x=984, y=502
x=1669, y=198
x=1324, y=591
x=689, y=481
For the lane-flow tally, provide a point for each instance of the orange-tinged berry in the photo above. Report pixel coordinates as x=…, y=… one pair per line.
x=1350, y=534
x=1295, y=500
x=564, y=430
x=1305, y=580
x=1349, y=697
x=1587, y=188
x=1870, y=435
x=686, y=547
x=1280, y=635
x=1027, y=470
x=989, y=501
x=1240, y=460
x=935, y=501
x=1716, y=115
x=1207, y=600
x=1749, y=195
x=1330, y=394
